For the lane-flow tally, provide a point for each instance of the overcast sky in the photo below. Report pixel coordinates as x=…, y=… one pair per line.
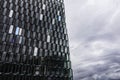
x=94, y=33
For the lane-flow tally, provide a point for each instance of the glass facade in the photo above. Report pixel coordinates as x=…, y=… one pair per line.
x=33, y=40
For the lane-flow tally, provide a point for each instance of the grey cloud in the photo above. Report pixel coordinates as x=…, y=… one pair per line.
x=109, y=70
x=93, y=27
x=87, y=20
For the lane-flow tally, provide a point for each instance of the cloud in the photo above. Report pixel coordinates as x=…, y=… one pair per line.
x=107, y=67
x=93, y=27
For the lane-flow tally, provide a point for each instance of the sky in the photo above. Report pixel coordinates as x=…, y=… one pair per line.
x=94, y=38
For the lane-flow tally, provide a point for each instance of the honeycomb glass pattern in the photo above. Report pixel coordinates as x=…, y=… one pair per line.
x=34, y=40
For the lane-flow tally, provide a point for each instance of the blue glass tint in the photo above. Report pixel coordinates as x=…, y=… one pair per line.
x=17, y=31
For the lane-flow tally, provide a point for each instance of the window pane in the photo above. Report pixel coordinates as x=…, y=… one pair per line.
x=35, y=51
x=48, y=38
x=44, y=6
x=11, y=13
x=11, y=29
x=41, y=16
x=20, y=31
x=17, y=31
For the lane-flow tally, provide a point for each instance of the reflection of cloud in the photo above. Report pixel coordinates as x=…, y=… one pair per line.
x=93, y=27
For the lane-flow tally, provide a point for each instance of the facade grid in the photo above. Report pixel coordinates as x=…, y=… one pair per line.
x=34, y=40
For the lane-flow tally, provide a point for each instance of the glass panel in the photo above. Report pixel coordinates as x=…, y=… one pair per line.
x=35, y=51
x=48, y=38
x=58, y=12
x=20, y=41
x=41, y=16
x=44, y=6
x=20, y=31
x=11, y=29
x=17, y=31
x=11, y=13
x=66, y=49
x=53, y=21
x=59, y=18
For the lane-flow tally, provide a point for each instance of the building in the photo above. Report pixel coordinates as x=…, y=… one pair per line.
x=33, y=40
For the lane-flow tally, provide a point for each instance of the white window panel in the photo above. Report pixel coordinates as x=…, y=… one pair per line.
x=20, y=31
x=65, y=30
x=44, y=6
x=41, y=16
x=58, y=12
x=48, y=38
x=35, y=51
x=11, y=13
x=53, y=21
x=20, y=41
x=60, y=41
x=11, y=29
x=66, y=49
x=67, y=57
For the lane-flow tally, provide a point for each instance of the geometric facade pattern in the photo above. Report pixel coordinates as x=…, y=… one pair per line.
x=33, y=40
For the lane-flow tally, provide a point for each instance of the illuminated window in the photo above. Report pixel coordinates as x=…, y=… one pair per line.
x=35, y=51
x=20, y=31
x=41, y=16
x=17, y=31
x=20, y=40
x=53, y=21
x=11, y=13
x=58, y=13
x=11, y=29
x=48, y=38
x=44, y=6
x=59, y=18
